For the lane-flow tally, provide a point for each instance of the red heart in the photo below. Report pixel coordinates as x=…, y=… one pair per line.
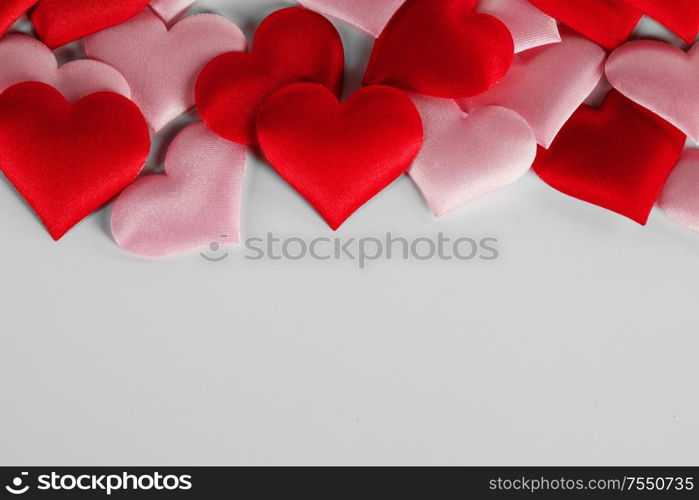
x=681, y=16
x=618, y=157
x=63, y=21
x=607, y=22
x=292, y=45
x=69, y=160
x=339, y=156
x=441, y=48
x=11, y=10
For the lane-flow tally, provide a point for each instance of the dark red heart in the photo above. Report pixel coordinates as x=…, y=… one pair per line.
x=618, y=157
x=441, y=48
x=11, y=10
x=292, y=45
x=58, y=22
x=681, y=16
x=339, y=156
x=69, y=160
x=607, y=22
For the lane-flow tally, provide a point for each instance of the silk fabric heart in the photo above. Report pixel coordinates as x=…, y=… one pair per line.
x=161, y=66
x=607, y=22
x=617, y=157
x=25, y=59
x=69, y=160
x=660, y=77
x=680, y=197
x=59, y=22
x=441, y=48
x=195, y=203
x=12, y=10
x=339, y=156
x=681, y=16
x=546, y=85
x=292, y=45
x=467, y=156
x=170, y=9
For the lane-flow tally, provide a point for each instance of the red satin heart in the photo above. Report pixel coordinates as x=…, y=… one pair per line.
x=607, y=22
x=339, y=156
x=681, y=16
x=618, y=157
x=11, y=10
x=69, y=160
x=441, y=48
x=292, y=45
x=58, y=22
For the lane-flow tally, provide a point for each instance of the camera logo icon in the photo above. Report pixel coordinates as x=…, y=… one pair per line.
x=16, y=487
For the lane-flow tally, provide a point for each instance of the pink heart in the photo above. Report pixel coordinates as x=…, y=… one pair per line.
x=680, y=197
x=162, y=66
x=170, y=9
x=546, y=85
x=24, y=59
x=529, y=26
x=195, y=203
x=659, y=77
x=467, y=156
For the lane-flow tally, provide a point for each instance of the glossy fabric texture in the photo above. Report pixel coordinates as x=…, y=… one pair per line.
x=467, y=156
x=292, y=45
x=617, y=157
x=68, y=160
x=339, y=156
x=546, y=85
x=680, y=197
x=196, y=202
x=660, y=77
x=441, y=48
x=162, y=65
x=12, y=10
x=680, y=16
x=170, y=9
x=25, y=59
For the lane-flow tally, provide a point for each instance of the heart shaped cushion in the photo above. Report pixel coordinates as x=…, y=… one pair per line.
x=467, y=156
x=58, y=22
x=680, y=197
x=660, y=77
x=617, y=157
x=607, y=22
x=195, y=203
x=339, y=156
x=441, y=48
x=170, y=9
x=11, y=10
x=681, y=16
x=162, y=65
x=69, y=160
x=291, y=45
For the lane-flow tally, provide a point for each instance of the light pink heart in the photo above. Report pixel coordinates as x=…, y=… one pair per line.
x=680, y=197
x=162, y=66
x=170, y=9
x=547, y=85
x=660, y=77
x=529, y=26
x=24, y=59
x=195, y=203
x=467, y=156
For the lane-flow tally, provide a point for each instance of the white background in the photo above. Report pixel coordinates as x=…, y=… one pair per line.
x=579, y=346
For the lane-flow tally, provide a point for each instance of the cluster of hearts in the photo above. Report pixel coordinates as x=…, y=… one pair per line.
x=463, y=95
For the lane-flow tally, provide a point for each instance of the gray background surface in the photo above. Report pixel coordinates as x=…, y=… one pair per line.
x=578, y=346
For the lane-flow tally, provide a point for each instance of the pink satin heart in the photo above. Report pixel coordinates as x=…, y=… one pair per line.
x=467, y=156
x=546, y=85
x=680, y=197
x=170, y=9
x=25, y=59
x=529, y=26
x=660, y=77
x=162, y=66
x=196, y=202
